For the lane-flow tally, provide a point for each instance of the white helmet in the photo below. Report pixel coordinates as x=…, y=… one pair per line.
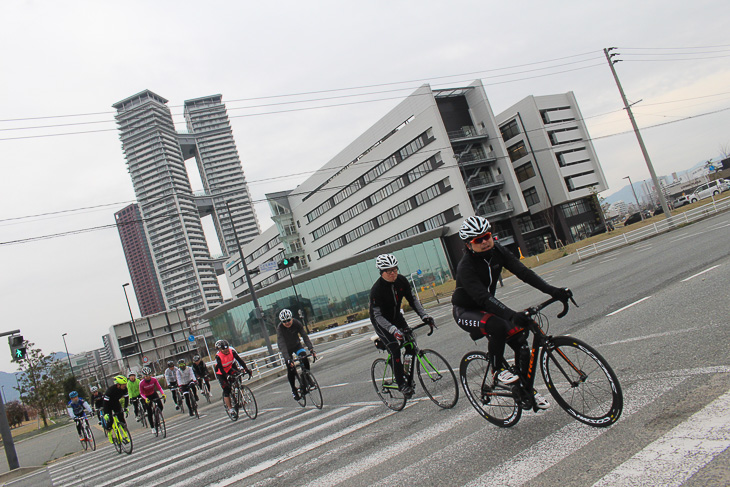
x=285, y=315
x=473, y=227
x=94, y=389
x=386, y=261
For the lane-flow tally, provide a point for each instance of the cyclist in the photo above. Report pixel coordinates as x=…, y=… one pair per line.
x=478, y=312
x=97, y=399
x=287, y=338
x=386, y=297
x=113, y=398
x=133, y=392
x=171, y=379
x=201, y=372
x=186, y=379
x=76, y=407
x=225, y=363
x=150, y=390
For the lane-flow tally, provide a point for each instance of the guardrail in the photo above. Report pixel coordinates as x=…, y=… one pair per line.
x=271, y=364
x=648, y=231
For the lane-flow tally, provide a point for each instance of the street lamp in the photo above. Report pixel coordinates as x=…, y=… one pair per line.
x=641, y=213
x=134, y=327
x=68, y=356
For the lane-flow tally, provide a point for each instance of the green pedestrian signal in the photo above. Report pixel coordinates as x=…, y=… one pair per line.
x=17, y=348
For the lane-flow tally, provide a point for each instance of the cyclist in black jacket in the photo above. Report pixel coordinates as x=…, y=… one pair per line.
x=287, y=339
x=201, y=372
x=113, y=399
x=386, y=296
x=478, y=312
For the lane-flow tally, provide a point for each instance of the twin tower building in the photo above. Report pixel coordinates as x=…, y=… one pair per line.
x=162, y=235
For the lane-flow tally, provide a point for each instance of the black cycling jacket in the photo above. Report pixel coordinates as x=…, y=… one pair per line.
x=287, y=339
x=477, y=276
x=385, y=301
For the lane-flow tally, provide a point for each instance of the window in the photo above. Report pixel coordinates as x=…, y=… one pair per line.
x=379, y=196
x=509, y=130
x=428, y=194
x=531, y=197
x=435, y=222
x=525, y=172
x=355, y=210
x=317, y=212
x=359, y=231
x=411, y=148
x=395, y=212
x=571, y=185
x=576, y=208
x=347, y=192
x=421, y=170
x=330, y=247
x=517, y=151
x=326, y=228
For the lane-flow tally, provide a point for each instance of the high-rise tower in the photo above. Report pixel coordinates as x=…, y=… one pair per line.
x=221, y=171
x=139, y=260
x=157, y=167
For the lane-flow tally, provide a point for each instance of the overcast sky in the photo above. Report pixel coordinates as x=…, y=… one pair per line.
x=72, y=58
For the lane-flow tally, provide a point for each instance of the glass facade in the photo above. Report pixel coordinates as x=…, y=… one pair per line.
x=341, y=292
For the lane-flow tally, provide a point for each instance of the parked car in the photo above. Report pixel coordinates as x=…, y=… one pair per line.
x=658, y=210
x=713, y=188
x=636, y=217
x=681, y=201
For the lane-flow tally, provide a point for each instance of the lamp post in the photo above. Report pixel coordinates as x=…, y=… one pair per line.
x=68, y=356
x=258, y=312
x=134, y=327
x=638, y=206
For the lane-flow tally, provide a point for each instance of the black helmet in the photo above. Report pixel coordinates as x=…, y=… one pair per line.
x=196, y=358
x=170, y=363
x=221, y=344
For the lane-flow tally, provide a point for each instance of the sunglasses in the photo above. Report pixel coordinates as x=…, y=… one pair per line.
x=393, y=269
x=286, y=321
x=482, y=238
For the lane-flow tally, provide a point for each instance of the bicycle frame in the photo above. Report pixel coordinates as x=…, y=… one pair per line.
x=298, y=367
x=409, y=340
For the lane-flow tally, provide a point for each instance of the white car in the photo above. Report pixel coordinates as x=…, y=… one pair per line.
x=713, y=188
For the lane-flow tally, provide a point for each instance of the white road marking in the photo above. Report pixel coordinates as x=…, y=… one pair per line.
x=700, y=273
x=335, y=385
x=552, y=449
x=608, y=260
x=653, y=335
x=644, y=250
x=628, y=306
x=676, y=456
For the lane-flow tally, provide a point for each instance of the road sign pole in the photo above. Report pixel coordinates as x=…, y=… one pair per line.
x=8, y=443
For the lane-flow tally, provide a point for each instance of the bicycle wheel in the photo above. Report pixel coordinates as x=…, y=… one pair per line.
x=89, y=433
x=160, y=422
x=233, y=415
x=206, y=392
x=249, y=402
x=125, y=439
x=116, y=441
x=313, y=389
x=581, y=381
x=302, y=388
x=494, y=402
x=438, y=379
x=385, y=386
x=195, y=407
x=85, y=440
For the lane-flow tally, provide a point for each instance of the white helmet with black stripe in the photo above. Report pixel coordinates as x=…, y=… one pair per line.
x=285, y=315
x=386, y=261
x=473, y=227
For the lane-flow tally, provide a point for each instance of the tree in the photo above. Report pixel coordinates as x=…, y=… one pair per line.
x=41, y=381
x=15, y=412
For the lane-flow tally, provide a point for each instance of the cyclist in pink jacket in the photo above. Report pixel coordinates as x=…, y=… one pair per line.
x=150, y=390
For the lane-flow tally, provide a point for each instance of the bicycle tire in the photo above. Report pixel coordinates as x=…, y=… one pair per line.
x=493, y=402
x=233, y=416
x=313, y=389
x=126, y=443
x=592, y=396
x=302, y=388
x=440, y=380
x=385, y=385
x=84, y=441
x=249, y=402
x=206, y=392
x=161, y=427
x=90, y=436
x=116, y=440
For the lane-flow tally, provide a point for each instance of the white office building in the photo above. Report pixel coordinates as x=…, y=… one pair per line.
x=404, y=186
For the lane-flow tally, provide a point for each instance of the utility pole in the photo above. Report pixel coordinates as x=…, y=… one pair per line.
x=654, y=178
x=258, y=312
x=8, y=444
x=638, y=206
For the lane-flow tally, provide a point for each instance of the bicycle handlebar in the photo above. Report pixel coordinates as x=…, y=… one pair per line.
x=533, y=310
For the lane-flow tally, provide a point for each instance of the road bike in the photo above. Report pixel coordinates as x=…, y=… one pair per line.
x=577, y=376
x=241, y=398
x=434, y=373
x=177, y=398
x=204, y=388
x=158, y=418
x=88, y=440
x=307, y=384
x=193, y=404
x=141, y=416
x=121, y=438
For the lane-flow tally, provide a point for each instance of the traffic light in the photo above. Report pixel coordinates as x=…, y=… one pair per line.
x=17, y=347
x=288, y=262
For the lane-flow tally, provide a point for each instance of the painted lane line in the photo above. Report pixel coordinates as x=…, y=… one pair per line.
x=628, y=306
x=700, y=273
x=387, y=454
x=644, y=250
x=305, y=436
x=552, y=449
x=654, y=335
x=608, y=260
x=335, y=385
x=679, y=454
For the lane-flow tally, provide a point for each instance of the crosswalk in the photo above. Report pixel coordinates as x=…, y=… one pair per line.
x=363, y=443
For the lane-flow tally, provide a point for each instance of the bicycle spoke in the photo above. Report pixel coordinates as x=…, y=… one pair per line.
x=494, y=403
x=385, y=386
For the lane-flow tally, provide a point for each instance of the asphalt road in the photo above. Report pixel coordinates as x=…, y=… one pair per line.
x=657, y=311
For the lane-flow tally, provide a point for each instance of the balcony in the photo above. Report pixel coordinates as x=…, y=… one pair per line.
x=465, y=134
x=475, y=158
x=492, y=209
x=484, y=183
